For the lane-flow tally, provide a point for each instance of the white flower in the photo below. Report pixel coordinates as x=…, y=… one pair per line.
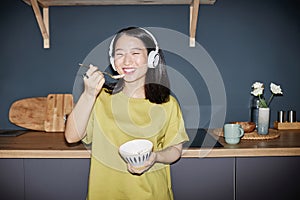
x=275, y=89
x=257, y=91
x=257, y=85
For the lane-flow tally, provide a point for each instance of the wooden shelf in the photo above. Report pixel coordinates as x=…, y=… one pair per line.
x=48, y=3
x=43, y=18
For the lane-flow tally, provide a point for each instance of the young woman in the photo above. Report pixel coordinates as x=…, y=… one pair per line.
x=138, y=106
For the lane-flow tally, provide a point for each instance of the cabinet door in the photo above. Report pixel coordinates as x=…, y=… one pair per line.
x=50, y=179
x=11, y=179
x=268, y=178
x=203, y=178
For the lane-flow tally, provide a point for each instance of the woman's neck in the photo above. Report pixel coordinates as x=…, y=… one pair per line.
x=134, y=91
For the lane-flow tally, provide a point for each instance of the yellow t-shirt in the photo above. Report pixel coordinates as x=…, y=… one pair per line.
x=116, y=119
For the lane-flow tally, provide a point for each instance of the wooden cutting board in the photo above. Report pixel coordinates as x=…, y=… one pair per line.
x=29, y=113
x=58, y=107
x=42, y=113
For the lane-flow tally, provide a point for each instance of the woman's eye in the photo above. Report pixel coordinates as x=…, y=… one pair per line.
x=119, y=54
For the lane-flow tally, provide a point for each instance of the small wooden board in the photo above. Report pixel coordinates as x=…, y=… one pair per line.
x=287, y=125
x=273, y=133
x=42, y=113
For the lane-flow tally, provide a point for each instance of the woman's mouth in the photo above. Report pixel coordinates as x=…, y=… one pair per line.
x=129, y=70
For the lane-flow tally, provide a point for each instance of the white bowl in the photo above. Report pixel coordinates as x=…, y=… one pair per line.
x=136, y=152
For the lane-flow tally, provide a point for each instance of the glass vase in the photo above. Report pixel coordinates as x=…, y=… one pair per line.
x=263, y=121
x=254, y=110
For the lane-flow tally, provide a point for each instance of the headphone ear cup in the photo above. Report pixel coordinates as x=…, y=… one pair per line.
x=112, y=62
x=153, y=59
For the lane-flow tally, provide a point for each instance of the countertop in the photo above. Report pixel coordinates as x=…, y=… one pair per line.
x=35, y=144
x=287, y=144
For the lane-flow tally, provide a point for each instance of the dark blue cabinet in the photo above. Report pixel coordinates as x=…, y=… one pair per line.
x=51, y=179
x=47, y=179
x=12, y=179
x=261, y=178
x=203, y=178
x=275, y=178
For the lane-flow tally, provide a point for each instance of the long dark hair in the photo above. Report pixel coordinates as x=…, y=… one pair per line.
x=157, y=84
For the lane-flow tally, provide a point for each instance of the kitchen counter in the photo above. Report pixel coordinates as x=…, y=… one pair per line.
x=287, y=144
x=46, y=162
x=34, y=144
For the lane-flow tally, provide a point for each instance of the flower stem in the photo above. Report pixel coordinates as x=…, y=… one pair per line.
x=270, y=99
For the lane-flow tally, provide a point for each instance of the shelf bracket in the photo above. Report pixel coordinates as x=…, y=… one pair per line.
x=43, y=22
x=194, y=9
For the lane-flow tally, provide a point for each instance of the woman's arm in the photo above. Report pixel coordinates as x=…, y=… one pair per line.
x=78, y=118
x=166, y=156
x=169, y=155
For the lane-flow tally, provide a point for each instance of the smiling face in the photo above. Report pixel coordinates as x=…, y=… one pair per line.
x=131, y=59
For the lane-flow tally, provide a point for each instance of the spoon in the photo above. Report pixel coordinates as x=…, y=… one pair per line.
x=110, y=75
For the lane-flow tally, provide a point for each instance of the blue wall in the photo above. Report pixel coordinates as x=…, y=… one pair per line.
x=249, y=40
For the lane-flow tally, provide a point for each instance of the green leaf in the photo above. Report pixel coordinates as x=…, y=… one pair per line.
x=262, y=102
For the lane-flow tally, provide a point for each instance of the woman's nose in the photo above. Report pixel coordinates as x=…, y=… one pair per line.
x=127, y=59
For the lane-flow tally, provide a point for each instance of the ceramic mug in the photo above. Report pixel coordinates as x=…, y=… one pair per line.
x=233, y=133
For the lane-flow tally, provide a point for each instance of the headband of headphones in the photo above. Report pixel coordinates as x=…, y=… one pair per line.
x=153, y=56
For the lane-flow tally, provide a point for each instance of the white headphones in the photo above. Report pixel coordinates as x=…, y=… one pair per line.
x=153, y=57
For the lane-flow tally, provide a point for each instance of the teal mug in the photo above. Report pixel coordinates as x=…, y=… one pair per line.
x=233, y=133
